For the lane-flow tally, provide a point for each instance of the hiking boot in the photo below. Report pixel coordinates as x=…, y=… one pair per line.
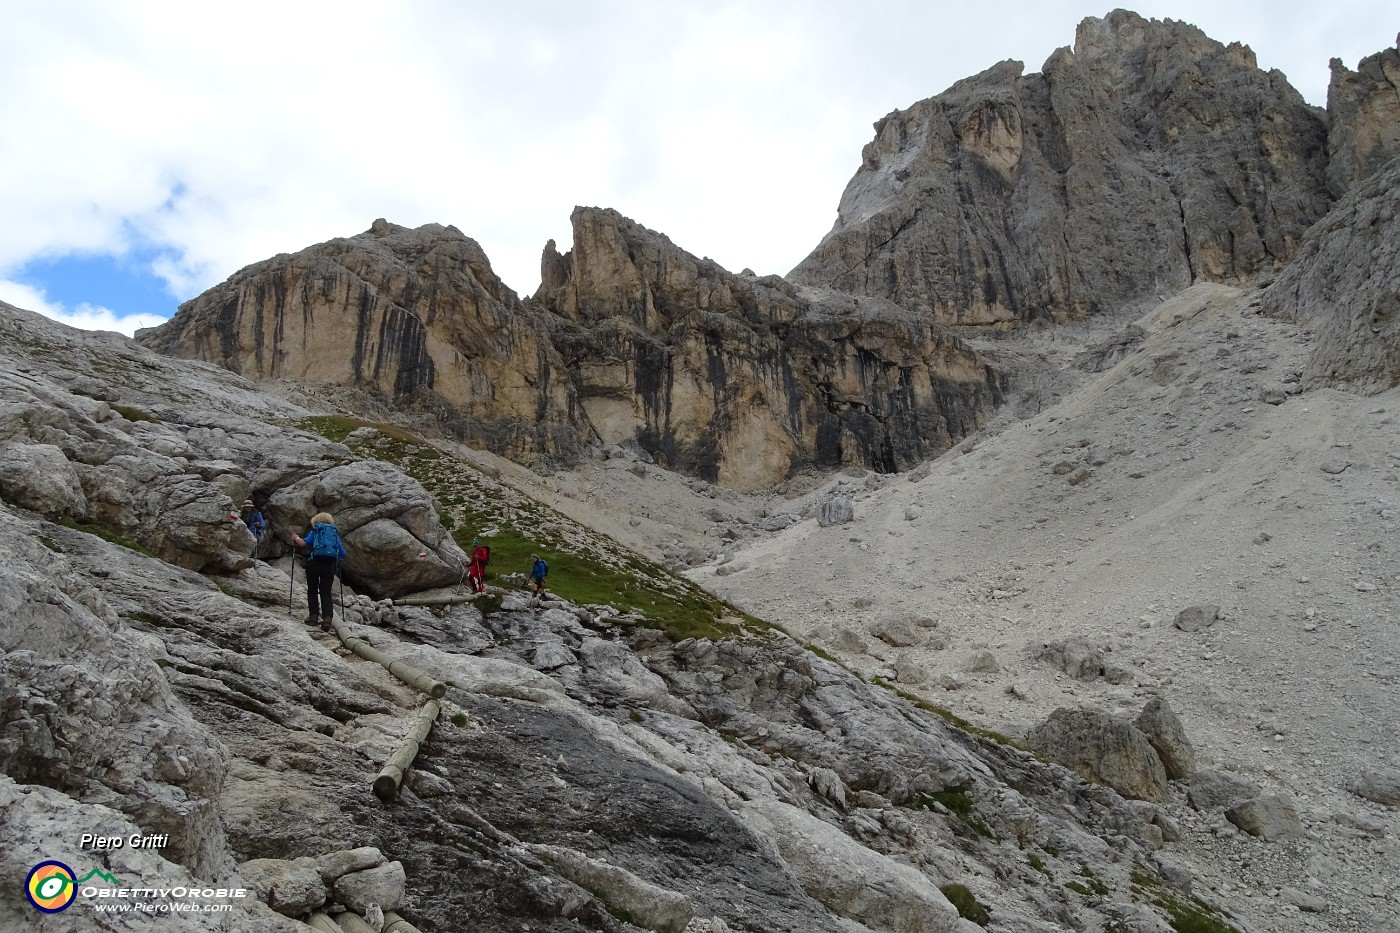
x=327, y=624
x=313, y=619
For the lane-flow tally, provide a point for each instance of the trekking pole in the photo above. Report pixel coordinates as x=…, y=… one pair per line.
x=291, y=582
x=340, y=572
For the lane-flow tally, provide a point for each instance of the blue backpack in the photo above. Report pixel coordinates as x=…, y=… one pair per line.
x=325, y=542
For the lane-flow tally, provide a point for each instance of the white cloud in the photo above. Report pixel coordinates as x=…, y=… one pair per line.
x=85, y=316
x=221, y=135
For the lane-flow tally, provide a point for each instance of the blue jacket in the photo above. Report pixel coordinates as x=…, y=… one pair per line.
x=538, y=571
x=255, y=523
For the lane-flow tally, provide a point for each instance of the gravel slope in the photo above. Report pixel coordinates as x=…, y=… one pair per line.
x=1192, y=472
x=1164, y=482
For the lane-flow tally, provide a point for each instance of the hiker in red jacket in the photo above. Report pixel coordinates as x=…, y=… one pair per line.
x=476, y=570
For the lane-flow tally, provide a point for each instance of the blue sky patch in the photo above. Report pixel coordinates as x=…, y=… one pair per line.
x=124, y=284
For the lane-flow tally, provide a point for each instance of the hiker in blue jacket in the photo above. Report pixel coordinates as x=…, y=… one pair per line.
x=253, y=519
x=538, y=570
x=326, y=553
x=254, y=522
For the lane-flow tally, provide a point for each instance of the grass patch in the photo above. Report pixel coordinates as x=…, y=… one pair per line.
x=338, y=427
x=818, y=650
x=134, y=414
x=678, y=607
x=1185, y=916
x=957, y=801
x=459, y=719
x=49, y=543
x=1038, y=864
x=969, y=908
x=1092, y=881
x=104, y=532
x=948, y=716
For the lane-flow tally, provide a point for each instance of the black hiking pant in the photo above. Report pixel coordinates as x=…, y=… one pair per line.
x=320, y=579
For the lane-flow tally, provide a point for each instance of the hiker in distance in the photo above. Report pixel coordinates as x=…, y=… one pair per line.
x=538, y=571
x=254, y=520
x=326, y=554
x=476, y=572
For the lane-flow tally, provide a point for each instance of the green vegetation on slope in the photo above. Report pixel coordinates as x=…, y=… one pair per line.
x=969, y=908
x=585, y=567
x=1192, y=915
x=105, y=532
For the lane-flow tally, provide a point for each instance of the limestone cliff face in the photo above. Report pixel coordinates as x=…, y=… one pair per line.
x=1345, y=287
x=1146, y=158
x=415, y=316
x=1344, y=284
x=1364, y=111
x=741, y=379
x=631, y=339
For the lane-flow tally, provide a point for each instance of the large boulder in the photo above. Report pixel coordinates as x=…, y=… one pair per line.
x=388, y=522
x=1081, y=659
x=291, y=887
x=1211, y=790
x=851, y=880
x=1197, y=618
x=1270, y=817
x=836, y=510
x=1163, y=729
x=383, y=885
x=1103, y=749
x=648, y=905
x=39, y=477
x=172, y=513
x=1378, y=786
x=42, y=824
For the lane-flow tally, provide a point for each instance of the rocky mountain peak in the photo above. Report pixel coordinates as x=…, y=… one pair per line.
x=1364, y=107
x=630, y=340
x=415, y=317
x=742, y=379
x=992, y=203
x=1146, y=158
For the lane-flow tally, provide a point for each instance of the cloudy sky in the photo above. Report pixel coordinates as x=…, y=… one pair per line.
x=149, y=150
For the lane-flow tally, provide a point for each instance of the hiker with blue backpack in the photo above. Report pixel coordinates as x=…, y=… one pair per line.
x=326, y=553
x=538, y=571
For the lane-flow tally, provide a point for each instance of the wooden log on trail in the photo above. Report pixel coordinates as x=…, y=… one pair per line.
x=386, y=786
x=353, y=923
x=393, y=923
x=396, y=666
x=322, y=923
